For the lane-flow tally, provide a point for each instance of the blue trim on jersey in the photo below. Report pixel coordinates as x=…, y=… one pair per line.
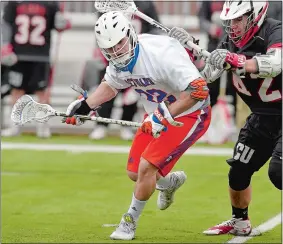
x=132, y=63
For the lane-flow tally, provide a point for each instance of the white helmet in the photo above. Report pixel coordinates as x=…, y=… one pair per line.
x=256, y=12
x=110, y=29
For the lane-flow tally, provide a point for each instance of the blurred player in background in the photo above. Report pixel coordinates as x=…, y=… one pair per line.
x=91, y=81
x=28, y=27
x=275, y=10
x=210, y=23
x=253, y=48
x=174, y=95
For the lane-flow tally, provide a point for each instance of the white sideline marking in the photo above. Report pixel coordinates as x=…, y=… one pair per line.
x=11, y=173
x=201, y=151
x=109, y=225
x=266, y=226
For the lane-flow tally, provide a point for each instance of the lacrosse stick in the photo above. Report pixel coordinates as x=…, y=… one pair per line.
x=129, y=7
x=26, y=110
x=222, y=124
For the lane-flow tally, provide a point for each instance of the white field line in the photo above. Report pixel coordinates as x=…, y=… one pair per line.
x=200, y=151
x=266, y=226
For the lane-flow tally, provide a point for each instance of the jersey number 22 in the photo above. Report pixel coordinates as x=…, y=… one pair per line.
x=264, y=93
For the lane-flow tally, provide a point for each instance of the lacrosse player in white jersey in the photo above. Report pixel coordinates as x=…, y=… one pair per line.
x=176, y=100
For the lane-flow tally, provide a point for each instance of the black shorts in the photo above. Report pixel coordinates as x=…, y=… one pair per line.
x=259, y=139
x=29, y=76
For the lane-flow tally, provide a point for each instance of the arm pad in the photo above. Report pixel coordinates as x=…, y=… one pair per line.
x=269, y=64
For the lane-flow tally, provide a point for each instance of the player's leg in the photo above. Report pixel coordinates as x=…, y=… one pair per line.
x=18, y=78
x=163, y=153
x=38, y=84
x=275, y=165
x=160, y=155
x=140, y=142
x=196, y=127
x=251, y=152
x=127, y=226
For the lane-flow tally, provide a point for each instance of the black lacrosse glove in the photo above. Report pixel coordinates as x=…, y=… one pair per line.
x=78, y=107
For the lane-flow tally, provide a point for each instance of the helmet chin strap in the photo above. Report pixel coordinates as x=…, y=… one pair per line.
x=124, y=60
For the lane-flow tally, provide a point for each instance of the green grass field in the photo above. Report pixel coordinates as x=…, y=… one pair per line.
x=61, y=197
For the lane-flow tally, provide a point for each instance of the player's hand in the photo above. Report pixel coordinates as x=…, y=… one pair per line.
x=158, y=121
x=219, y=58
x=181, y=35
x=8, y=57
x=61, y=23
x=78, y=107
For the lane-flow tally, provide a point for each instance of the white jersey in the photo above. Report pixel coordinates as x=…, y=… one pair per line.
x=162, y=71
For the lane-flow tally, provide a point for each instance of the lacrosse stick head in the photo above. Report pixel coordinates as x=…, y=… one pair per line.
x=111, y=5
x=26, y=110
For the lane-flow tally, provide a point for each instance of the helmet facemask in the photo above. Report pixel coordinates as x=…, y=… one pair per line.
x=123, y=59
x=232, y=30
x=253, y=14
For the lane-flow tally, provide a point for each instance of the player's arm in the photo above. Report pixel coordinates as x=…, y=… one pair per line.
x=102, y=94
x=261, y=65
x=178, y=72
x=183, y=77
x=60, y=22
x=209, y=72
x=8, y=56
x=108, y=89
x=85, y=106
x=9, y=16
x=269, y=64
x=196, y=91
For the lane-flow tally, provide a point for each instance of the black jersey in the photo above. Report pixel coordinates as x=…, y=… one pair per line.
x=262, y=95
x=140, y=25
x=31, y=22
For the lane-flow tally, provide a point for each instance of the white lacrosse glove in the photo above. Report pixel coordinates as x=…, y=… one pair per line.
x=158, y=121
x=78, y=107
x=182, y=36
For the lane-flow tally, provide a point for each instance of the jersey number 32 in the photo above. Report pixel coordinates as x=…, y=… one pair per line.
x=30, y=30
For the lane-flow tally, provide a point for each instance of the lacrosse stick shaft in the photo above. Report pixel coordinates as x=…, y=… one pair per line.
x=202, y=52
x=190, y=44
x=102, y=120
x=111, y=121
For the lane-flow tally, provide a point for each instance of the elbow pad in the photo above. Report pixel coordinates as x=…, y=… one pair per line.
x=210, y=73
x=269, y=64
x=198, y=89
